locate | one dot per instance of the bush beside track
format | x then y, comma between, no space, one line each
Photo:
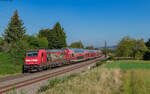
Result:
9,65
56,81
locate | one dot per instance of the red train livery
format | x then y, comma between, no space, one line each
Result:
38,60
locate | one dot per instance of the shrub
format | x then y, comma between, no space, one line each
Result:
146,55
54,82
100,63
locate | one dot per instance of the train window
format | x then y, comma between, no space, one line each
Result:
32,54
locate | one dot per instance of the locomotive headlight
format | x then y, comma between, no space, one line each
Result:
35,60
28,60
31,60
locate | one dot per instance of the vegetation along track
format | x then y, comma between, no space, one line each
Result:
20,84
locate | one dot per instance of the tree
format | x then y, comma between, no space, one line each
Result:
139,49
60,35
77,45
125,47
18,49
4,46
96,48
1,44
15,30
56,37
148,44
89,47
50,35
129,47
43,42
36,42
146,55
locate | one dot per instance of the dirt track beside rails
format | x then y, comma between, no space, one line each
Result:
33,87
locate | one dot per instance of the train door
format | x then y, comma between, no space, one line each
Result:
42,57
43,60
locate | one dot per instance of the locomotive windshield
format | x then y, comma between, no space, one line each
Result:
32,54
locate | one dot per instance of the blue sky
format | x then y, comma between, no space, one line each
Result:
91,21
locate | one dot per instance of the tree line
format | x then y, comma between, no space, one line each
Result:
15,41
131,48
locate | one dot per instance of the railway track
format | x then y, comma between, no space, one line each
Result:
2,79
33,80
17,76
14,77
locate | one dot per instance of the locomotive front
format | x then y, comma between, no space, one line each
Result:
32,61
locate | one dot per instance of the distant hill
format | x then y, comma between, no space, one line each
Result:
110,47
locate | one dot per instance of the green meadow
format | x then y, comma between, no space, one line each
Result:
135,75
127,65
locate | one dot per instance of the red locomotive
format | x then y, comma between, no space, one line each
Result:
38,60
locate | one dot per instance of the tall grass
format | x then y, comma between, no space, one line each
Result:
56,81
135,76
136,82
94,81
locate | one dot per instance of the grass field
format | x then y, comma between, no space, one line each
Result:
114,77
126,65
136,82
135,76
